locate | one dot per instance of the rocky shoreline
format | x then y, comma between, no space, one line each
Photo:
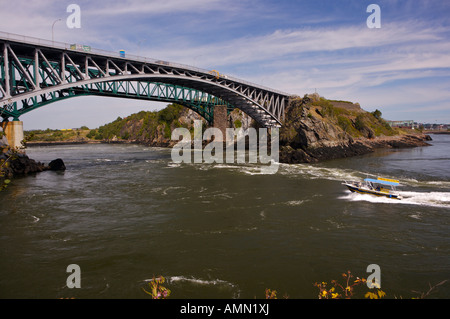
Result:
350,148
44,143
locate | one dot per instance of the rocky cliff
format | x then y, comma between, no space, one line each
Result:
314,130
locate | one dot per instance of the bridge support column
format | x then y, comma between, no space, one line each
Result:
220,120
14,132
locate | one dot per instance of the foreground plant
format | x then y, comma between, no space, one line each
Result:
423,295
157,291
271,294
346,290
11,155
4,164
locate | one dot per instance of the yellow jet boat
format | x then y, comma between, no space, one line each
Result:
376,187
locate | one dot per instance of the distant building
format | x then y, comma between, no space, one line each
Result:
436,127
403,124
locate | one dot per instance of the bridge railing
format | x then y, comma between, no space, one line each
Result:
67,46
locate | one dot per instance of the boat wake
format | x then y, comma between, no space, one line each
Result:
436,199
431,199
309,171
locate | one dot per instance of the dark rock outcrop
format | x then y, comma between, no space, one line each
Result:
57,165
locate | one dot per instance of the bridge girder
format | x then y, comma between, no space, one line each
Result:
35,74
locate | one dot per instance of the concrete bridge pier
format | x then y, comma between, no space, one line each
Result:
220,120
13,132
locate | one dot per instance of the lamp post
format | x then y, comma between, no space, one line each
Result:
53,25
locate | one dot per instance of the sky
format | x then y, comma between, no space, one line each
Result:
401,68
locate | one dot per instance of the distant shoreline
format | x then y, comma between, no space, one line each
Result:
436,132
59,143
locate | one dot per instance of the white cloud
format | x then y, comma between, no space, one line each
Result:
149,7
343,61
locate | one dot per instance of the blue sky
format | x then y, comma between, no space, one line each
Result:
402,68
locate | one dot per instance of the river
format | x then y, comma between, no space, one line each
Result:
126,213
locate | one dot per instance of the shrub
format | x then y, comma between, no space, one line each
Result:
91,134
359,123
346,289
377,113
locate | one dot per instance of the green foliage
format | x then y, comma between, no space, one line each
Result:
50,135
167,131
355,123
91,134
327,108
360,123
110,130
170,113
125,136
142,125
341,101
346,124
377,114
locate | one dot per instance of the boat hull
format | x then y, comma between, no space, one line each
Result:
355,189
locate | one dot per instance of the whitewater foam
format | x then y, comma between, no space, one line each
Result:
432,199
317,172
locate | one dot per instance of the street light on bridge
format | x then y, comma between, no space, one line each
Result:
53,25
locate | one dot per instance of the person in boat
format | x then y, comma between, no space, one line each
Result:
378,189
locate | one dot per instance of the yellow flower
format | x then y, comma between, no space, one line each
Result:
370,295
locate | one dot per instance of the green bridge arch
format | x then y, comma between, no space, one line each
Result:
35,72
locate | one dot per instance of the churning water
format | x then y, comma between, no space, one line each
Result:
126,213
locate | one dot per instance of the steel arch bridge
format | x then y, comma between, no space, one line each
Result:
36,72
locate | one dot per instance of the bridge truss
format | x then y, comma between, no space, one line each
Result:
37,72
